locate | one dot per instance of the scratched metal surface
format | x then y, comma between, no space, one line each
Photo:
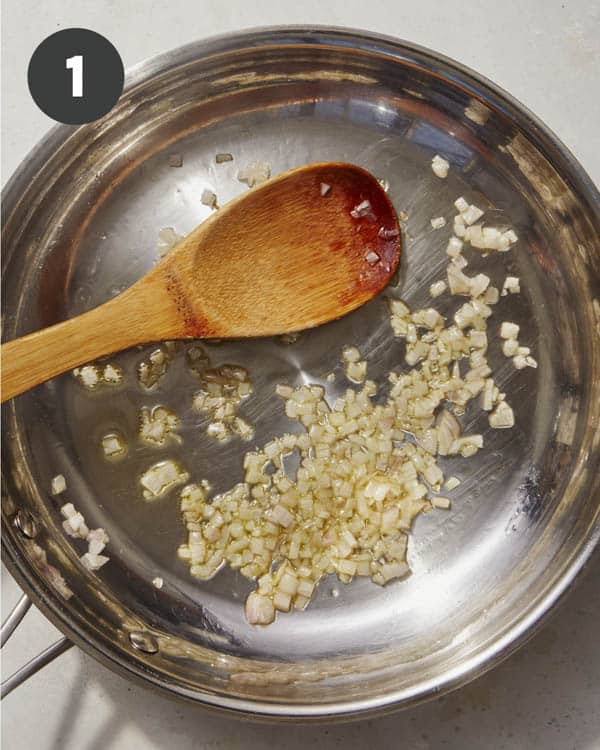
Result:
82,223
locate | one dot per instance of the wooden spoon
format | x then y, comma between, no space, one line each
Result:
303,248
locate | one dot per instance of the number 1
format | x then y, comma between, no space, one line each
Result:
76,65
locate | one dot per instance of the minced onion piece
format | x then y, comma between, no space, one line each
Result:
491,296
289,338
222,390
93,562
479,284
454,247
362,210
157,424
167,239
472,214
157,582
113,445
461,204
355,368
74,523
521,361
440,166
97,539
437,288
255,173
458,282
452,483
438,222
324,188
448,431
49,572
209,198
459,227
510,286
161,477
510,347
155,365
440,502
502,416
58,484
509,330
94,375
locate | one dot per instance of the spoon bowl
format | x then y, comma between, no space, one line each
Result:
296,251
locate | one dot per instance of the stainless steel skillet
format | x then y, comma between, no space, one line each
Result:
525,518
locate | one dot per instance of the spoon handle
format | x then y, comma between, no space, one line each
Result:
32,359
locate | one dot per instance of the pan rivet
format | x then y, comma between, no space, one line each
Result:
143,642
25,523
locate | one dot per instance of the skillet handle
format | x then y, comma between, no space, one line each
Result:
34,665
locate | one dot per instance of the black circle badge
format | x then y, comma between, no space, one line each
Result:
75,76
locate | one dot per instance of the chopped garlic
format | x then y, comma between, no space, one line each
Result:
440,166
58,484
509,330
324,188
223,157
511,286
157,582
438,222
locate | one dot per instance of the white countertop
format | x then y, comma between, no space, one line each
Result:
547,695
